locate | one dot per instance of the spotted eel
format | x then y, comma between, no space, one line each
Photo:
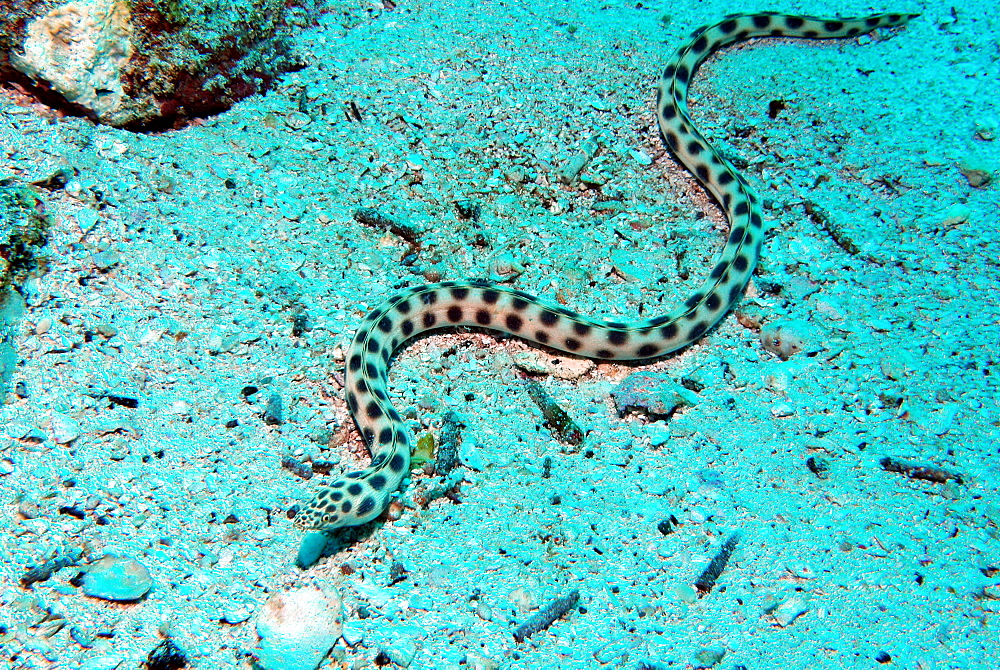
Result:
358,497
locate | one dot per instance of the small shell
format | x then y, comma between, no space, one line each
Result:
297,120
505,268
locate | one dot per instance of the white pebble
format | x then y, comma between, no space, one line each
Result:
686,593
102,663
782,409
788,610
118,578
298,628
65,429
640,157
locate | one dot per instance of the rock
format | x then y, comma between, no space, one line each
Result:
652,392
148,65
401,651
11,311
956,215
109,662
477,662
80,49
658,434
235,614
789,610
274,414
65,429
353,633
708,658
166,655
105,260
297,629
470,453
686,593
118,578
977,175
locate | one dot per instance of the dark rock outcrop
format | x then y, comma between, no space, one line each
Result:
148,64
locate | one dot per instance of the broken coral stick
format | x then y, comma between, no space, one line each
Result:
706,580
914,471
547,616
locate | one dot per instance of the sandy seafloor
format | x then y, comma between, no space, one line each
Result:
199,247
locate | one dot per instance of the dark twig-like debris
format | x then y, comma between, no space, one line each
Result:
546,616
114,398
376,219
837,233
914,471
40,573
706,580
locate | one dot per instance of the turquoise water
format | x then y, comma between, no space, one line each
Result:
812,483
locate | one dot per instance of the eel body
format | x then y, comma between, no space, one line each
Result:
358,497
